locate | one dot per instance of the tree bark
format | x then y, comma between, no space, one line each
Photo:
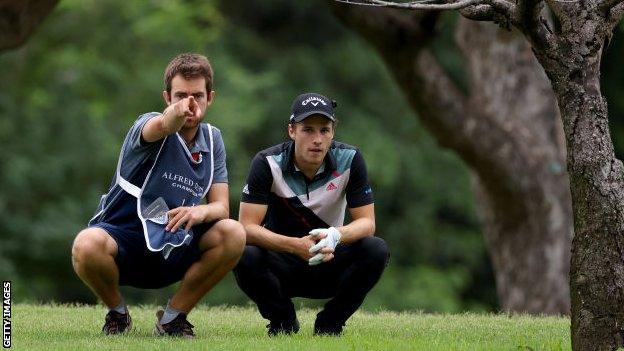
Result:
506,130
597,184
19,18
597,270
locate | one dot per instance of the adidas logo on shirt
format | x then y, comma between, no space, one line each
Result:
246,189
331,186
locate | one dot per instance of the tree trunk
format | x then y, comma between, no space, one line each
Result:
596,177
506,130
597,270
527,228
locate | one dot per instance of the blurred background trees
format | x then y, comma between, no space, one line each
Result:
71,92
502,121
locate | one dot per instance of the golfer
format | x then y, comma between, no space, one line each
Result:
152,229
293,209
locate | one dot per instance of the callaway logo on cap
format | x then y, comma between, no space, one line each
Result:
308,104
314,101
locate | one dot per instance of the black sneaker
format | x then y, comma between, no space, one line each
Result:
117,323
327,328
281,327
179,326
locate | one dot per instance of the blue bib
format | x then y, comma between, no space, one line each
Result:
174,180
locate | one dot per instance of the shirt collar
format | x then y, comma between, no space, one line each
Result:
200,141
320,170
329,163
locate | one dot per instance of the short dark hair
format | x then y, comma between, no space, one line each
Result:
293,124
189,65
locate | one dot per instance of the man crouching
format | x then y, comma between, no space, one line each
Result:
151,228
293,209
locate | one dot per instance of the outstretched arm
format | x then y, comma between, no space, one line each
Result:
171,120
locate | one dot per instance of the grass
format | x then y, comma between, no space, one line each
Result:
62,327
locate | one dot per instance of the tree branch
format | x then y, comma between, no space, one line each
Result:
499,12
478,12
502,6
415,5
18,19
440,104
402,37
530,22
619,7
505,8
617,12
607,5
388,28
614,13
526,15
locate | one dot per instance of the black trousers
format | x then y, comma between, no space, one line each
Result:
271,279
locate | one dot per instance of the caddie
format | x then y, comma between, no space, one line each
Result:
152,228
293,209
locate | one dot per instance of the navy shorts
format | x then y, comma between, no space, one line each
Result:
141,268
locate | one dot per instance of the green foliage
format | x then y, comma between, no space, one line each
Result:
71,93
78,328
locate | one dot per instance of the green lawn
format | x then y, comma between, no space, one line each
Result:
51,327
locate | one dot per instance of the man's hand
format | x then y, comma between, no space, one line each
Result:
301,246
187,107
324,248
172,119
189,215
176,114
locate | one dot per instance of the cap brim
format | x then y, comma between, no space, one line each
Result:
303,116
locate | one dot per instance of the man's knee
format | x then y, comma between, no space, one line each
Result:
374,250
231,235
90,243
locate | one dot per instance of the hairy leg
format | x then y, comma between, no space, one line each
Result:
222,246
93,257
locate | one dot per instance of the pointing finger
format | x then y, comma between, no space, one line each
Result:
186,107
